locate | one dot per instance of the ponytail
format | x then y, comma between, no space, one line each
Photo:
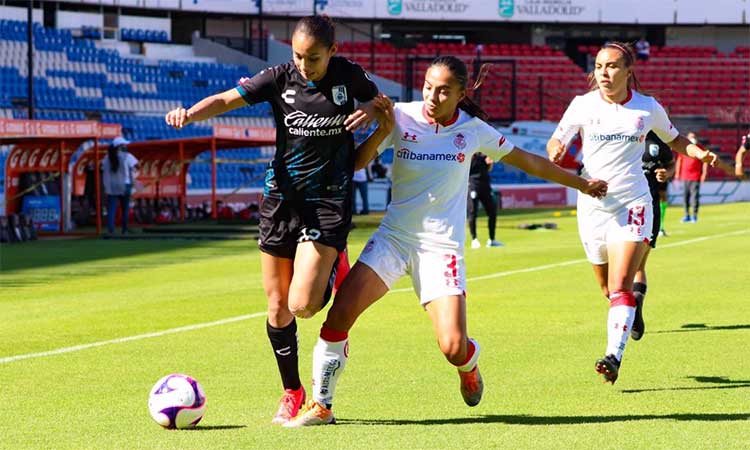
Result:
114,159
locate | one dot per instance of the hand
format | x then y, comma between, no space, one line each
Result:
595,188
661,175
361,118
709,157
177,118
488,160
555,151
384,113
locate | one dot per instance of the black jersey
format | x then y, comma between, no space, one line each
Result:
314,153
479,173
657,155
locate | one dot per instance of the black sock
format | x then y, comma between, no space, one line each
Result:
639,290
284,344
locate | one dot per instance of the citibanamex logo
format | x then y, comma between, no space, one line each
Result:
460,157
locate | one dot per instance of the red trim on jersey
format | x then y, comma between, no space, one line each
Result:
432,121
619,298
331,335
627,99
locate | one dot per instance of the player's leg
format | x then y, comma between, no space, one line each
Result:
625,258
281,329
380,264
448,315
640,286
663,203
314,265
473,205
361,288
488,202
640,282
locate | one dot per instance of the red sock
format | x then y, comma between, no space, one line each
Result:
331,335
342,270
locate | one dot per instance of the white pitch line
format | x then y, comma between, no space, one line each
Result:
198,326
75,348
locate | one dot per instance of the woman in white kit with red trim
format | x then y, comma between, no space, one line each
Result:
422,233
614,119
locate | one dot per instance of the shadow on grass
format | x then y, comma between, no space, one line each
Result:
719,383
550,420
214,427
689,327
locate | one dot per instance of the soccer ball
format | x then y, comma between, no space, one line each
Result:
177,401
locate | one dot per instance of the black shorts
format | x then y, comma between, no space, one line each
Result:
285,223
657,218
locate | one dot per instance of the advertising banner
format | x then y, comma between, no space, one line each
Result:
496,11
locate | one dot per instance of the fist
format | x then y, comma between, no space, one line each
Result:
177,118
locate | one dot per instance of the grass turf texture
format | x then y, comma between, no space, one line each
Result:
684,385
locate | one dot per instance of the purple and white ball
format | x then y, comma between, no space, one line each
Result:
177,401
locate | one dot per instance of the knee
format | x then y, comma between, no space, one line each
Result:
301,309
453,347
278,313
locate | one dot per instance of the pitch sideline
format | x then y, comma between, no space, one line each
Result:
59,351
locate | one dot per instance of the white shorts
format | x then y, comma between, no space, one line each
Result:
597,227
434,273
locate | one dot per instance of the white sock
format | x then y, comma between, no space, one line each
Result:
619,322
329,360
471,358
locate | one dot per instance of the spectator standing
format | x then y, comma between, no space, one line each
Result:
642,49
118,174
692,172
480,190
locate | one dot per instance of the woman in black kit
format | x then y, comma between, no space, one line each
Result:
307,202
480,190
658,168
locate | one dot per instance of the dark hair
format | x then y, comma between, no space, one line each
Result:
114,159
461,74
320,28
628,53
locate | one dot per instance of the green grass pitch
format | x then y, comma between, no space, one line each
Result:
533,305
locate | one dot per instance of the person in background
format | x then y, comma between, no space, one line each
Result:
739,157
642,49
614,118
480,190
118,174
692,172
360,179
658,167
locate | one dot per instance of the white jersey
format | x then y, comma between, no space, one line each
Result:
613,136
431,174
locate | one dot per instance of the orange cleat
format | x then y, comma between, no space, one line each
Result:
313,414
472,386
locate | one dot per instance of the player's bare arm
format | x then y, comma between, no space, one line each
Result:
682,145
205,109
540,167
366,151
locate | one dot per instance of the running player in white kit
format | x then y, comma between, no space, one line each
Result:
613,120
422,233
